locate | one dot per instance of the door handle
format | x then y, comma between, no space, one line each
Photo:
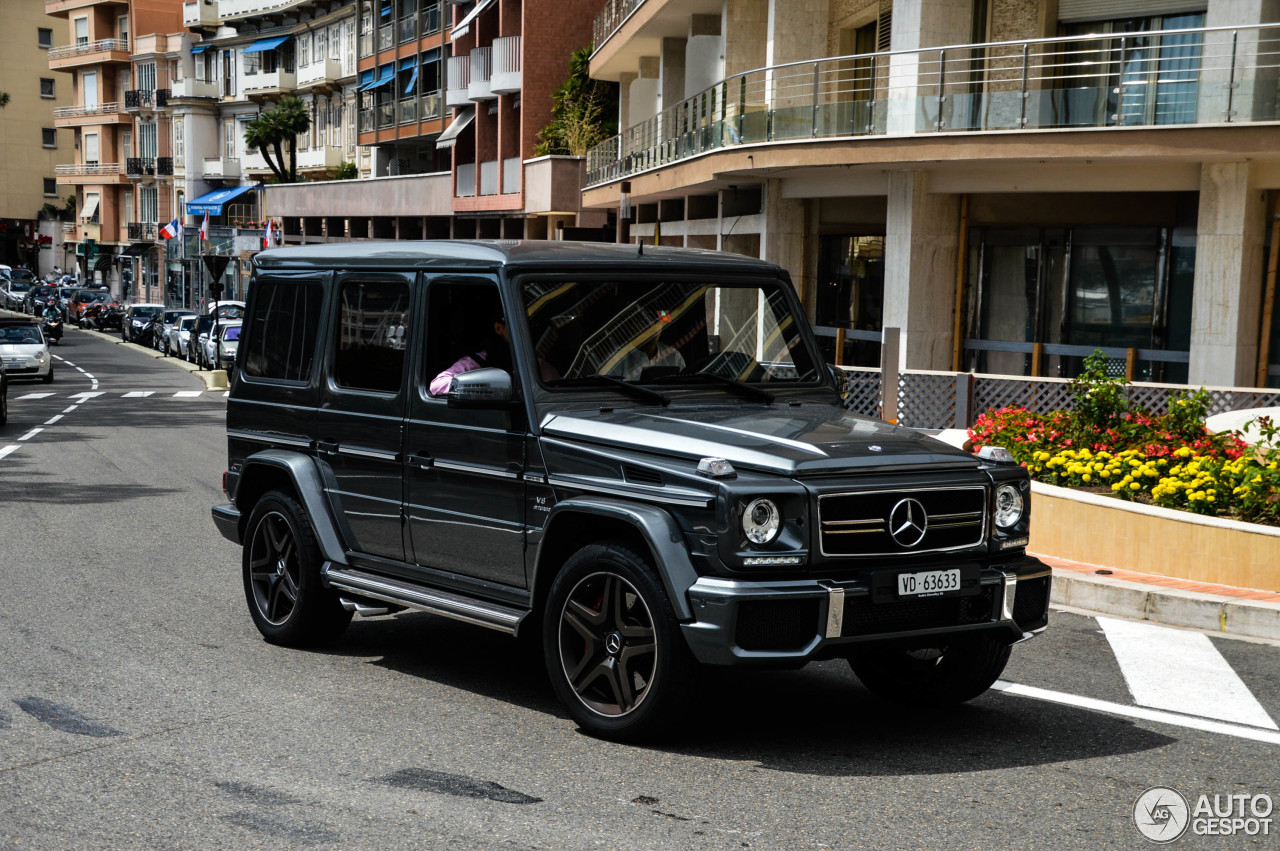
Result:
422,460
327,447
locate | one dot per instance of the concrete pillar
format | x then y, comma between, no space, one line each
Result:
643,98
921,249
1227,293
782,236
746,35
1254,95
671,85
625,80
797,32
916,24
703,55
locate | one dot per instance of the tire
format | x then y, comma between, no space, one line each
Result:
953,673
48,379
608,614
288,603
4,403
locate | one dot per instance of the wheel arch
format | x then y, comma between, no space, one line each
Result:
295,474
575,523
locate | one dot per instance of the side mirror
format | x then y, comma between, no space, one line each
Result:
481,388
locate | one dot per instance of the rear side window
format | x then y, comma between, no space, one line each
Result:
283,330
371,335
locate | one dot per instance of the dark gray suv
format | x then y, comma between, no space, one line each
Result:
637,456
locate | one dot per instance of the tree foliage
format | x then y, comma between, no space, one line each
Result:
276,131
582,113
4,99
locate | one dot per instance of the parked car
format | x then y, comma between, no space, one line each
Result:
170,319
39,297
24,350
199,334
639,457
81,298
225,309
15,293
137,319
220,348
180,335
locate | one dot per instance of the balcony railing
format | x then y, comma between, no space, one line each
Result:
142,232
189,87
1162,79
387,113
84,47
466,177
458,74
408,111
506,65
221,168
610,18
268,83
164,166
200,13
162,98
430,106
481,69
386,36
135,99
321,73
81,111
87,168
140,167
368,123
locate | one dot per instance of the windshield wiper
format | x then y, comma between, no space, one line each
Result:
611,380
739,387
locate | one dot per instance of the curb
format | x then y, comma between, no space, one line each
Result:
213,379
1230,616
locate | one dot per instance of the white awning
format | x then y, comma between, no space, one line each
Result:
464,25
450,135
90,206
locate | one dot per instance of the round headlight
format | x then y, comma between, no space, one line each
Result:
1009,506
761,520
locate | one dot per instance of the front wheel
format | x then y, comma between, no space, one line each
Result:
951,673
281,566
612,646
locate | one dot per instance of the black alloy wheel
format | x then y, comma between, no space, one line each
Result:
612,645
281,566
955,672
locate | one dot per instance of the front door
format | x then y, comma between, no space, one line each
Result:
361,418
464,466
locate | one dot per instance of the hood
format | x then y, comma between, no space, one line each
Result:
809,439
26,349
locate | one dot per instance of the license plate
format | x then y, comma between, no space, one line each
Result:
930,583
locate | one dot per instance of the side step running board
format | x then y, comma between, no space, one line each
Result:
446,603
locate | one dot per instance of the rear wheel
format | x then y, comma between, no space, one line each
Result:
612,646
281,566
960,670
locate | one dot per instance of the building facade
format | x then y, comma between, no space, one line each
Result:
1013,183
31,143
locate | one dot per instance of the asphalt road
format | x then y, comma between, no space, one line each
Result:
139,708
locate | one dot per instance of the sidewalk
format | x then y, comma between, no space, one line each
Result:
1241,612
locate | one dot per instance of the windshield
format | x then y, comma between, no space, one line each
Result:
19,287
646,331
21,335
139,312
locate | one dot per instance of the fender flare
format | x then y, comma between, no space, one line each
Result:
658,529
308,484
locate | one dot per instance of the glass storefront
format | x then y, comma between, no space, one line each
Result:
850,295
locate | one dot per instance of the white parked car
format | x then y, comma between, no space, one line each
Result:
180,335
220,350
24,350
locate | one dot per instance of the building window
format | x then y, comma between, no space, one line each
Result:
82,31
147,76
46,88
49,137
51,187
304,49
44,37
91,148
179,144
150,206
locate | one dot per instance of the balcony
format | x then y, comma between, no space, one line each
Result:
386,112
320,75
90,173
192,88
142,231
89,53
230,10
79,116
255,163
466,186
55,7
1162,79
458,74
269,84
316,159
164,166
478,87
201,13
368,123
610,18
430,107
140,167
489,177
506,65
408,111
139,100
221,168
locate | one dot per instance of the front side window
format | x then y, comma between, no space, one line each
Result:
372,319
660,331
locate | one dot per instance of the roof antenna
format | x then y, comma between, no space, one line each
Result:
640,249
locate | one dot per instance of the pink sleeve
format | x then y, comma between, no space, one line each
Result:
440,384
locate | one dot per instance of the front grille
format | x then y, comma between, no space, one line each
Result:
863,617
777,624
858,524
1031,603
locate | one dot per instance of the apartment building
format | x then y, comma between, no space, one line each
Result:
451,99
30,142
1013,183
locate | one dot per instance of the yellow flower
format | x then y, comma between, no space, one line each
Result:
1086,477
1135,486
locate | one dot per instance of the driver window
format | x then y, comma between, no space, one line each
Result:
466,330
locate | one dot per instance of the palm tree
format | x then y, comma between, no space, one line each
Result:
4,99
271,132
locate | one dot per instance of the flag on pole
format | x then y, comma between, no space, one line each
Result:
268,239
204,228
171,230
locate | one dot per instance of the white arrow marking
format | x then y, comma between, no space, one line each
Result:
33,396
1181,671
85,396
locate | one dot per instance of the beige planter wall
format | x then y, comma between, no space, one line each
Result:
1104,531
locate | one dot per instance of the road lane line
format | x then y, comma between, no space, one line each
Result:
8,450
32,396
90,377
137,394
30,434
85,395
72,408
1139,712
53,420
1181,671
188,394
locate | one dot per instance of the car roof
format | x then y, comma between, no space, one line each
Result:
146,304
489,254
7,321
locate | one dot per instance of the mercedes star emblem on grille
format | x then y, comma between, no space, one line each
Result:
907,522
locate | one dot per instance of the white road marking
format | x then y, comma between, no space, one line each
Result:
79,369
72,408
31,434
1181,671
33,396
87,375
1110,708
188,394
53,420
8,450
137,394
85,396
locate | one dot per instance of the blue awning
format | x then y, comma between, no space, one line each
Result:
413,78
266,44
200,48
386,74
211,202
366,77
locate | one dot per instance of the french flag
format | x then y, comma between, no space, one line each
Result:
171,230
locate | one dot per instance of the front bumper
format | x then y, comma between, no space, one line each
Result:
27,367
793,622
